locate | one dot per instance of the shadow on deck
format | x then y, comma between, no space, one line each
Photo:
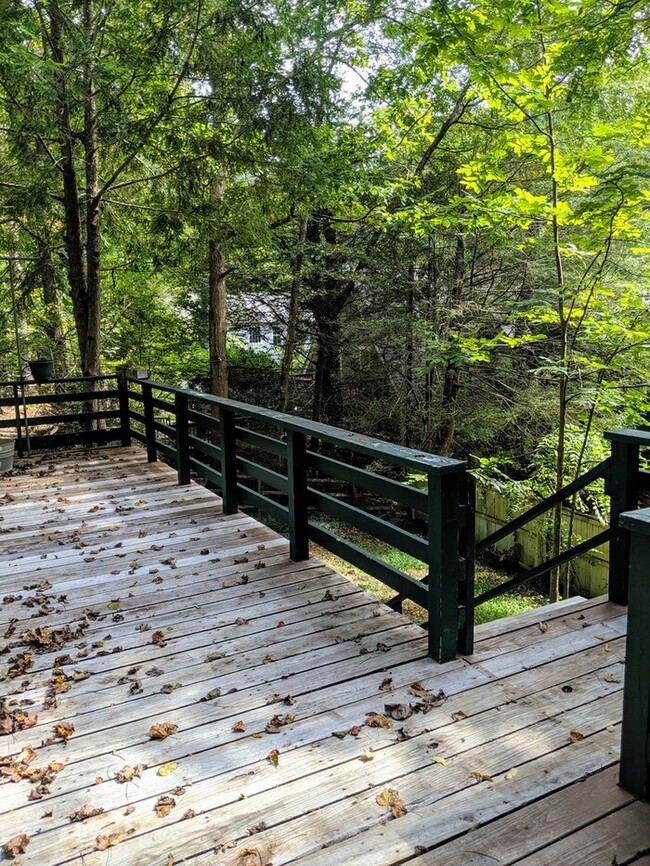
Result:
307,723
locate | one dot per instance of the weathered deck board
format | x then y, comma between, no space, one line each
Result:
107,545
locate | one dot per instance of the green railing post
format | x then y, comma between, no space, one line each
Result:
297,501
466,551
443,590
228,436
635,736
149,429
182,439
125,424
623,489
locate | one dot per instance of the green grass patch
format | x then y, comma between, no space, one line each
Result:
486,577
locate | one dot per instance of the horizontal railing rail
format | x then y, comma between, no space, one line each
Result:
277,463
85,410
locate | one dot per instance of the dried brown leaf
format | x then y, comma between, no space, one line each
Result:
377,720
238,728
162,730
164,805
576,736
274,757
16,845
102,843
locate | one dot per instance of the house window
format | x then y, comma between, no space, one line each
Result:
277,336
255,334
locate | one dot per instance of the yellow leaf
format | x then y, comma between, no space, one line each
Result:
390,798
512,774
482,777
438,759
168,768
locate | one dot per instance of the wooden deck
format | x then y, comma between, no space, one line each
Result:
130,602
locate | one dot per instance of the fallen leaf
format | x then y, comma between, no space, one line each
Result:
611,678
238,728
85,812
399,712
386,685
481,777
16,845
392,800
162,730
257,828
458,716
278,722
608,648
158,637
377,720
104,842
190,813
542,626
274,757
64,730
168,768
438,759
127,773
164,805
419,691
512,774
366,756
576,736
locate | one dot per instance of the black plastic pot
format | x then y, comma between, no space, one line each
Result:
42,369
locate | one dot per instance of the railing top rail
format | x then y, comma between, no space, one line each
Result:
58,381
638,521
629,435
335,435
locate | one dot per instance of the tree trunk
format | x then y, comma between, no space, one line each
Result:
218,326
328,399
292,318
451,381
52,303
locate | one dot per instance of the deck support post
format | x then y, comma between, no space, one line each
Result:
125,425
182,439
443,590
297,502
228,436
623,489
149,429
635,735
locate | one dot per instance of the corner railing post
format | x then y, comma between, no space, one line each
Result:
228,436
149,429
182,439
635,735
125,424
623,489
297,501
444,490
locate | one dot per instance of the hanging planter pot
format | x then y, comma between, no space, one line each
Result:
42,369
6,455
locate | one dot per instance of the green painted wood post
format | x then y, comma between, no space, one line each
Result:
182,439
297,500
443,565
466,545
635,736
19,423
149,429
125,424
228,436
623,489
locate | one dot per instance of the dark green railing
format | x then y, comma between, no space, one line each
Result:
277,464
93,411
273,461
624,480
